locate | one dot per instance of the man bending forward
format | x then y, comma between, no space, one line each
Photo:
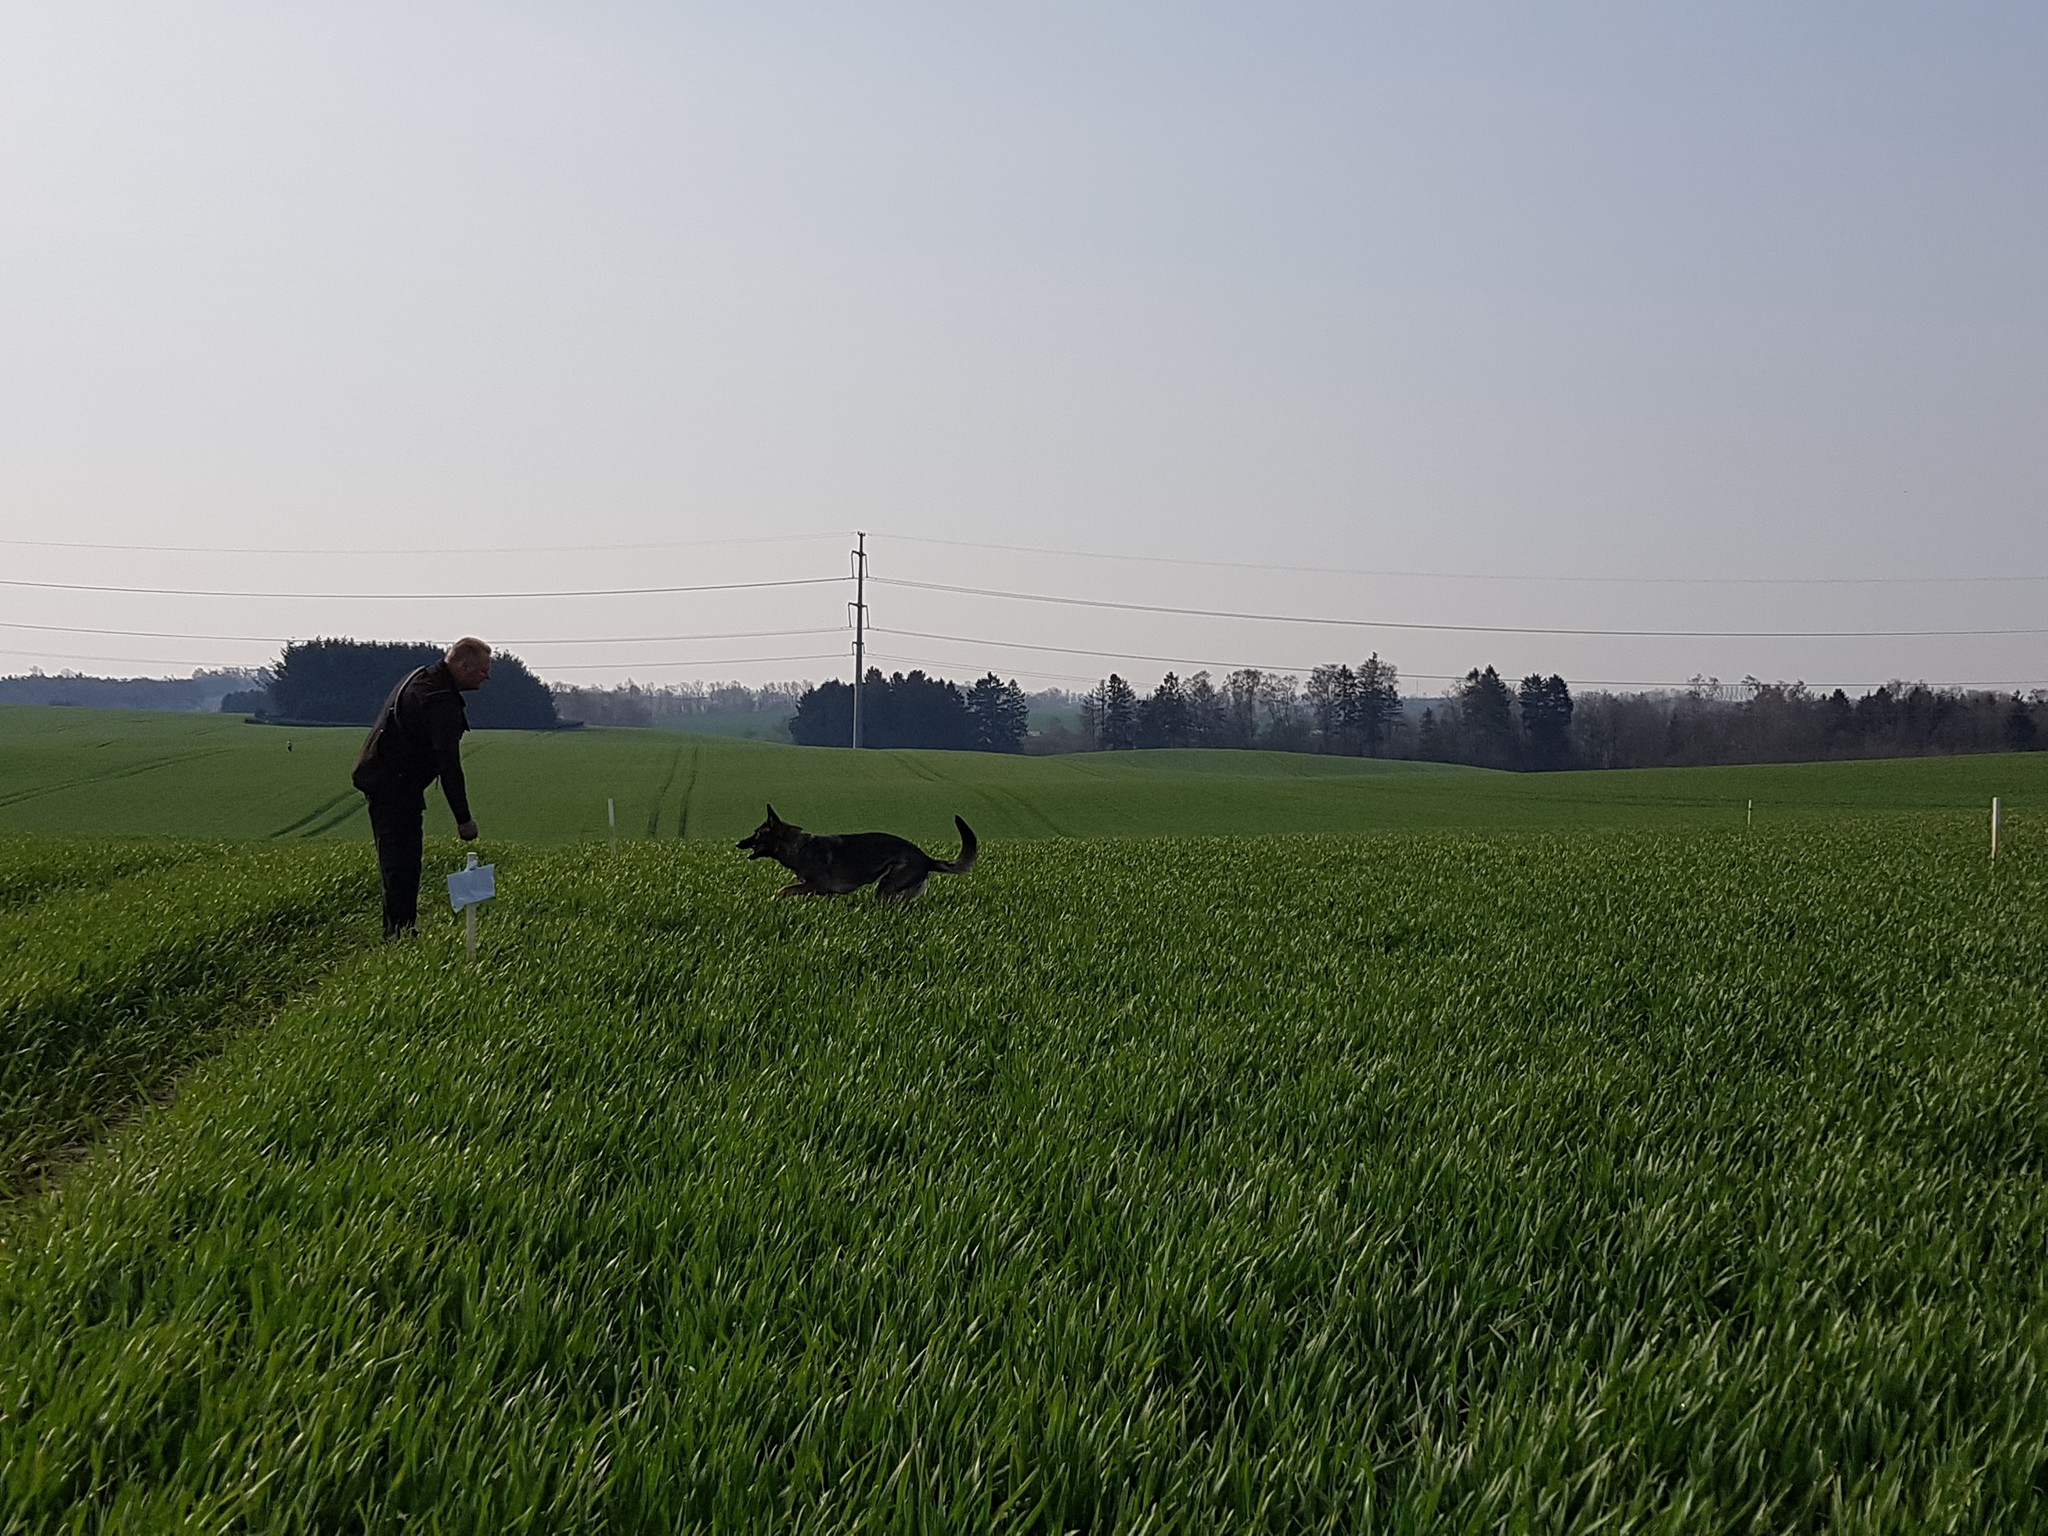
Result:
417,739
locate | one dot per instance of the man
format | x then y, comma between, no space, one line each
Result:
417,739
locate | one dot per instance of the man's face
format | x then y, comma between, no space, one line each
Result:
471,672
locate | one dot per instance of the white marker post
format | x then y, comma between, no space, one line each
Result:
611,815
1749,818
1994,826
468,888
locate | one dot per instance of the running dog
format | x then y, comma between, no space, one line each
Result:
835,863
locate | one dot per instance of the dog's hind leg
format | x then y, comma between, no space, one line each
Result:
902,882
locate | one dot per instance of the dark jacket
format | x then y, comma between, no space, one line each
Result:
417,739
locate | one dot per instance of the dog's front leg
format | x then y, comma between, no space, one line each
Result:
799,889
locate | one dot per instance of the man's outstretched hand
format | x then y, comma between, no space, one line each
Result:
466,831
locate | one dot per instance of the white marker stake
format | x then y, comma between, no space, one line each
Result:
611,814
468,887
1994,826
1749,818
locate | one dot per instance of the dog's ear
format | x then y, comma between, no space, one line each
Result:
773,819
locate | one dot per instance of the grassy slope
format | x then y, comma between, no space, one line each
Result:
118,972
746,724
1671,1181
107,772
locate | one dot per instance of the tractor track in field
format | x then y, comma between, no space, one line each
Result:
988,794
338,811
689,788
661,794
1024,808
141,1028
132,771
315,814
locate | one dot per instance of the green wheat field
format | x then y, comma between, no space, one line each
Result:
1248,1143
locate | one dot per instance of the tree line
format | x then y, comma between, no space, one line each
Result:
914,710
345,682
1539,725
646,704
1353,709
203,690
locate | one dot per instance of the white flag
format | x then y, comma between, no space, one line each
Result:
467,887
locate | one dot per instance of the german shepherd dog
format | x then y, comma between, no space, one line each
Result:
834,863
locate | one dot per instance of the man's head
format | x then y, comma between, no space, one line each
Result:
469,663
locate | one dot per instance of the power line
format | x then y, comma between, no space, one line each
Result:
139,661
165,634
723,661
1068,650
924,661
1463,629
471,550
584,666
1518,576
1035,549
425,597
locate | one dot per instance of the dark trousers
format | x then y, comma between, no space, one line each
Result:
397,823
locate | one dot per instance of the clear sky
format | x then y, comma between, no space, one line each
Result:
1557,317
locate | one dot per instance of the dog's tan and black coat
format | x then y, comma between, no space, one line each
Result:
834,863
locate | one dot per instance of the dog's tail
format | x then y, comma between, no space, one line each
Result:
969,850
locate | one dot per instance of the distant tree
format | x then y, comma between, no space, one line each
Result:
1875,717
913,710
1239,697
1163,717
1375,704
1838,722
251,701
1116,725
902,710
2020,730
1205,712
1429,742
626,705
824,716
1546,705
1486,718
997,714
1282,726
1329,699
345,682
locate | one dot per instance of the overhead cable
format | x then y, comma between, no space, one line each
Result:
470,550
429,597
1460,629
163,634
1516,576
581,666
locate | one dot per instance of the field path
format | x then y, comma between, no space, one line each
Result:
661,794
689,786
999,797
314,815
129,771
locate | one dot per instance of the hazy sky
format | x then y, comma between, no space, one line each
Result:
1448,308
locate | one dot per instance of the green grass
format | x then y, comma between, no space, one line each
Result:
746,724
101,772
111,986
1653,1180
